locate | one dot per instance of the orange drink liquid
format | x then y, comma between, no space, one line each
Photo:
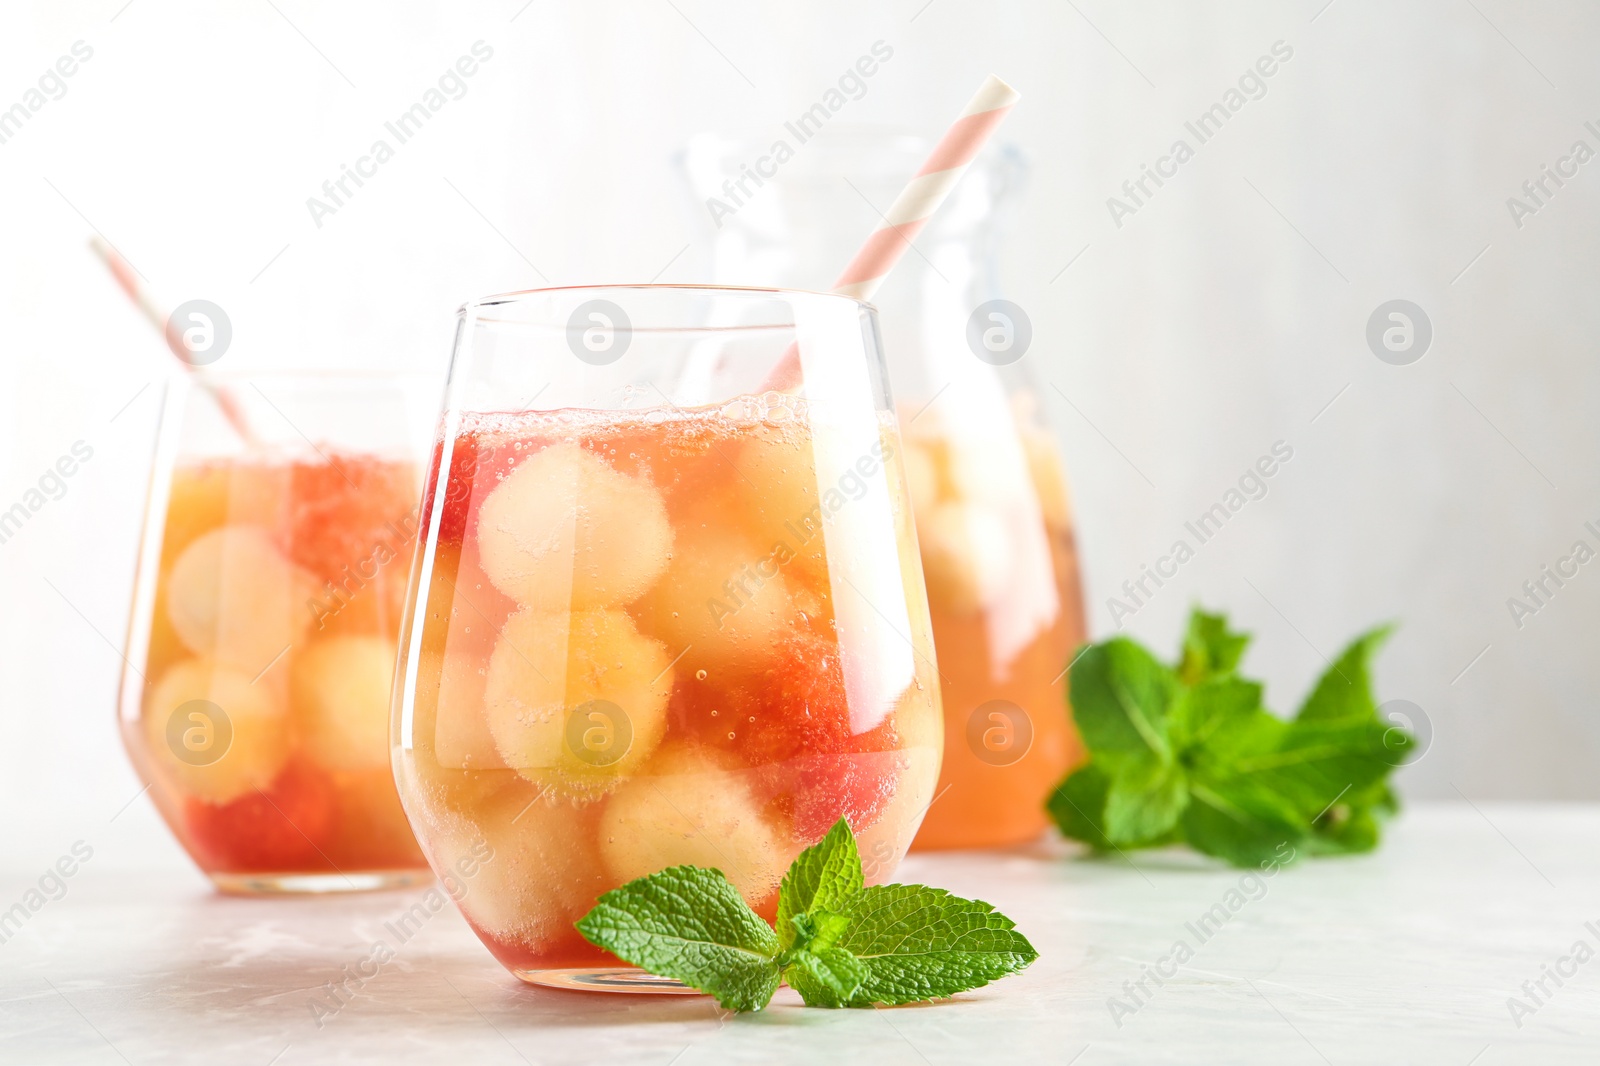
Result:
995,528
262,719
638,643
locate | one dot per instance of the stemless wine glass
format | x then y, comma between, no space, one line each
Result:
661,614
272,575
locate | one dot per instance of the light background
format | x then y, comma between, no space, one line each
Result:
1227,314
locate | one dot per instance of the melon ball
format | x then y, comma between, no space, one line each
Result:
375,607
576,700
565,528
461,736
966,556
232,743
922,477
165,647
986,466
693,808
723,599
437,795
463,612
233,596
883,843
341,701
207,495
1049,479
478,607
777,474
522,865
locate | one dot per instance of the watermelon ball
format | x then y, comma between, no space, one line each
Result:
855,787
794,717
281,829
458,487
479,460
351,512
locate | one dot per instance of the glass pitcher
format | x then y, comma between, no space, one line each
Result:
993,516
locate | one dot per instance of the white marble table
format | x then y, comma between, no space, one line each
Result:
1406,956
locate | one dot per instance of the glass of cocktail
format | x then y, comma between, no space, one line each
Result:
272,575
661,615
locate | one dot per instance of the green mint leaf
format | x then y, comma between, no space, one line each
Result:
690,924
1354,823
1222,717
1078,806
1210,648
1145,802
1347,829
822,876
1344,691
1318,763
829,977
1121,696
816,931
1227,751
919,943
1242,823
1383,801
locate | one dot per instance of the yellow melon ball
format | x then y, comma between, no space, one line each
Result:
723,599
566,529
922,477
966,557
463,612
233,596
461,736
692,808
214,734
1049,478
987,466
165,647
777,475
932,444
205,496
576,700
340,688
522,865
437,794
884,842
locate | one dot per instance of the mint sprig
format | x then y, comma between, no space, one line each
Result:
839,942
693,926
1189,753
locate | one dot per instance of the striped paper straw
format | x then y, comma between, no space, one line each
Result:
913,207
140,294
921,198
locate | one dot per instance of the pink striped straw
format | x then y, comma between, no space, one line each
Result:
921,198
140,294
916,203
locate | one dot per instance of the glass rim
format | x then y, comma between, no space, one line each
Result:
523,296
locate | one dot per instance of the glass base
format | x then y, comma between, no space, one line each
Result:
607,979
288,884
